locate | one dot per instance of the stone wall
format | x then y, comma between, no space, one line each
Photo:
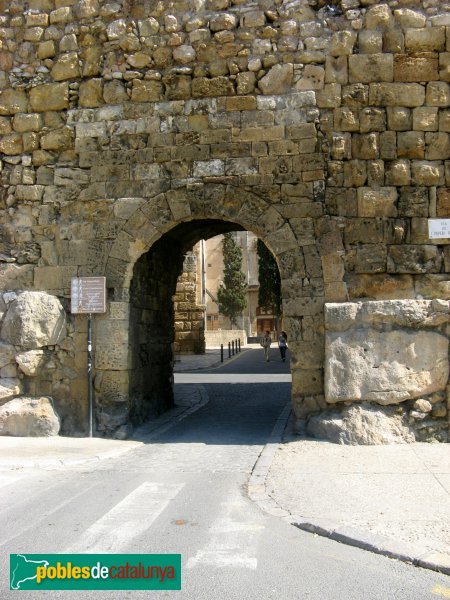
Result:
397,352
323,127
225,336
189,315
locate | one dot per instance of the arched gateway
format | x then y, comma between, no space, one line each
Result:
130,130
142,269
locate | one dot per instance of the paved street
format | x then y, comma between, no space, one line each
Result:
184,491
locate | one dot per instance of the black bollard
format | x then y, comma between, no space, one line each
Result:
229,350
221,352
239,344
232,347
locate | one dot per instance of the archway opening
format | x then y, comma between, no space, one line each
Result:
152,315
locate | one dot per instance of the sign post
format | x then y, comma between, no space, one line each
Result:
88,296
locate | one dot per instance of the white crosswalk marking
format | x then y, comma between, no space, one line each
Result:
233,538
127,519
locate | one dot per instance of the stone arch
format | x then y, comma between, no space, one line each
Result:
183,216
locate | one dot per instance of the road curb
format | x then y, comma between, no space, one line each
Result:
415,554
215,365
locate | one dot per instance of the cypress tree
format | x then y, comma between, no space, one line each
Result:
232,293
269,293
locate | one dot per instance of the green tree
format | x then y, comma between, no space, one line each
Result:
269,294
232,293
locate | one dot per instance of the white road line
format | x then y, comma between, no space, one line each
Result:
127,519
233,538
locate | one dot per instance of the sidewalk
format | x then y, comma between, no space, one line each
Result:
392,500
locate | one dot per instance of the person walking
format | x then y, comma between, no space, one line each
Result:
282,345
266,340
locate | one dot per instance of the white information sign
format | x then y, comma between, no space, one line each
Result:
438,228
88,295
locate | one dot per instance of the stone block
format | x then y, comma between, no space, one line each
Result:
379,17
329,96
443,202
416,67
389,356
30,193
59,139
342,43
336,69
388,145
372,119
444,66
366,146
398,172
413,202
371,258
91,93
346,119
341,146
411,144
341,202
202,87
46,49
29,417
355,173
23,122
380,286
427,173
425,118
370,41
33,320
370,68
438,94
49,97
437,146
13,101
399,118
146,91
377,203
407,17
414,259
11,144
306,381
66,67
408,95
53,278
278,80
30,362
394,41
425,39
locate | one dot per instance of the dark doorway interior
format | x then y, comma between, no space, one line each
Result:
152,316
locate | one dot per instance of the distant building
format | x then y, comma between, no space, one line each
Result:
254,320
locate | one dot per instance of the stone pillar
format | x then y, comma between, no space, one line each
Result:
189,316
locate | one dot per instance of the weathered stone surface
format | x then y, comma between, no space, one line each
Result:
29,417
50,96
361,425
66,67
34,320
388,366
13,101
7,353
9,388
278,80
30,362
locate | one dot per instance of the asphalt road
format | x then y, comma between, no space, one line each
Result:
185,492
